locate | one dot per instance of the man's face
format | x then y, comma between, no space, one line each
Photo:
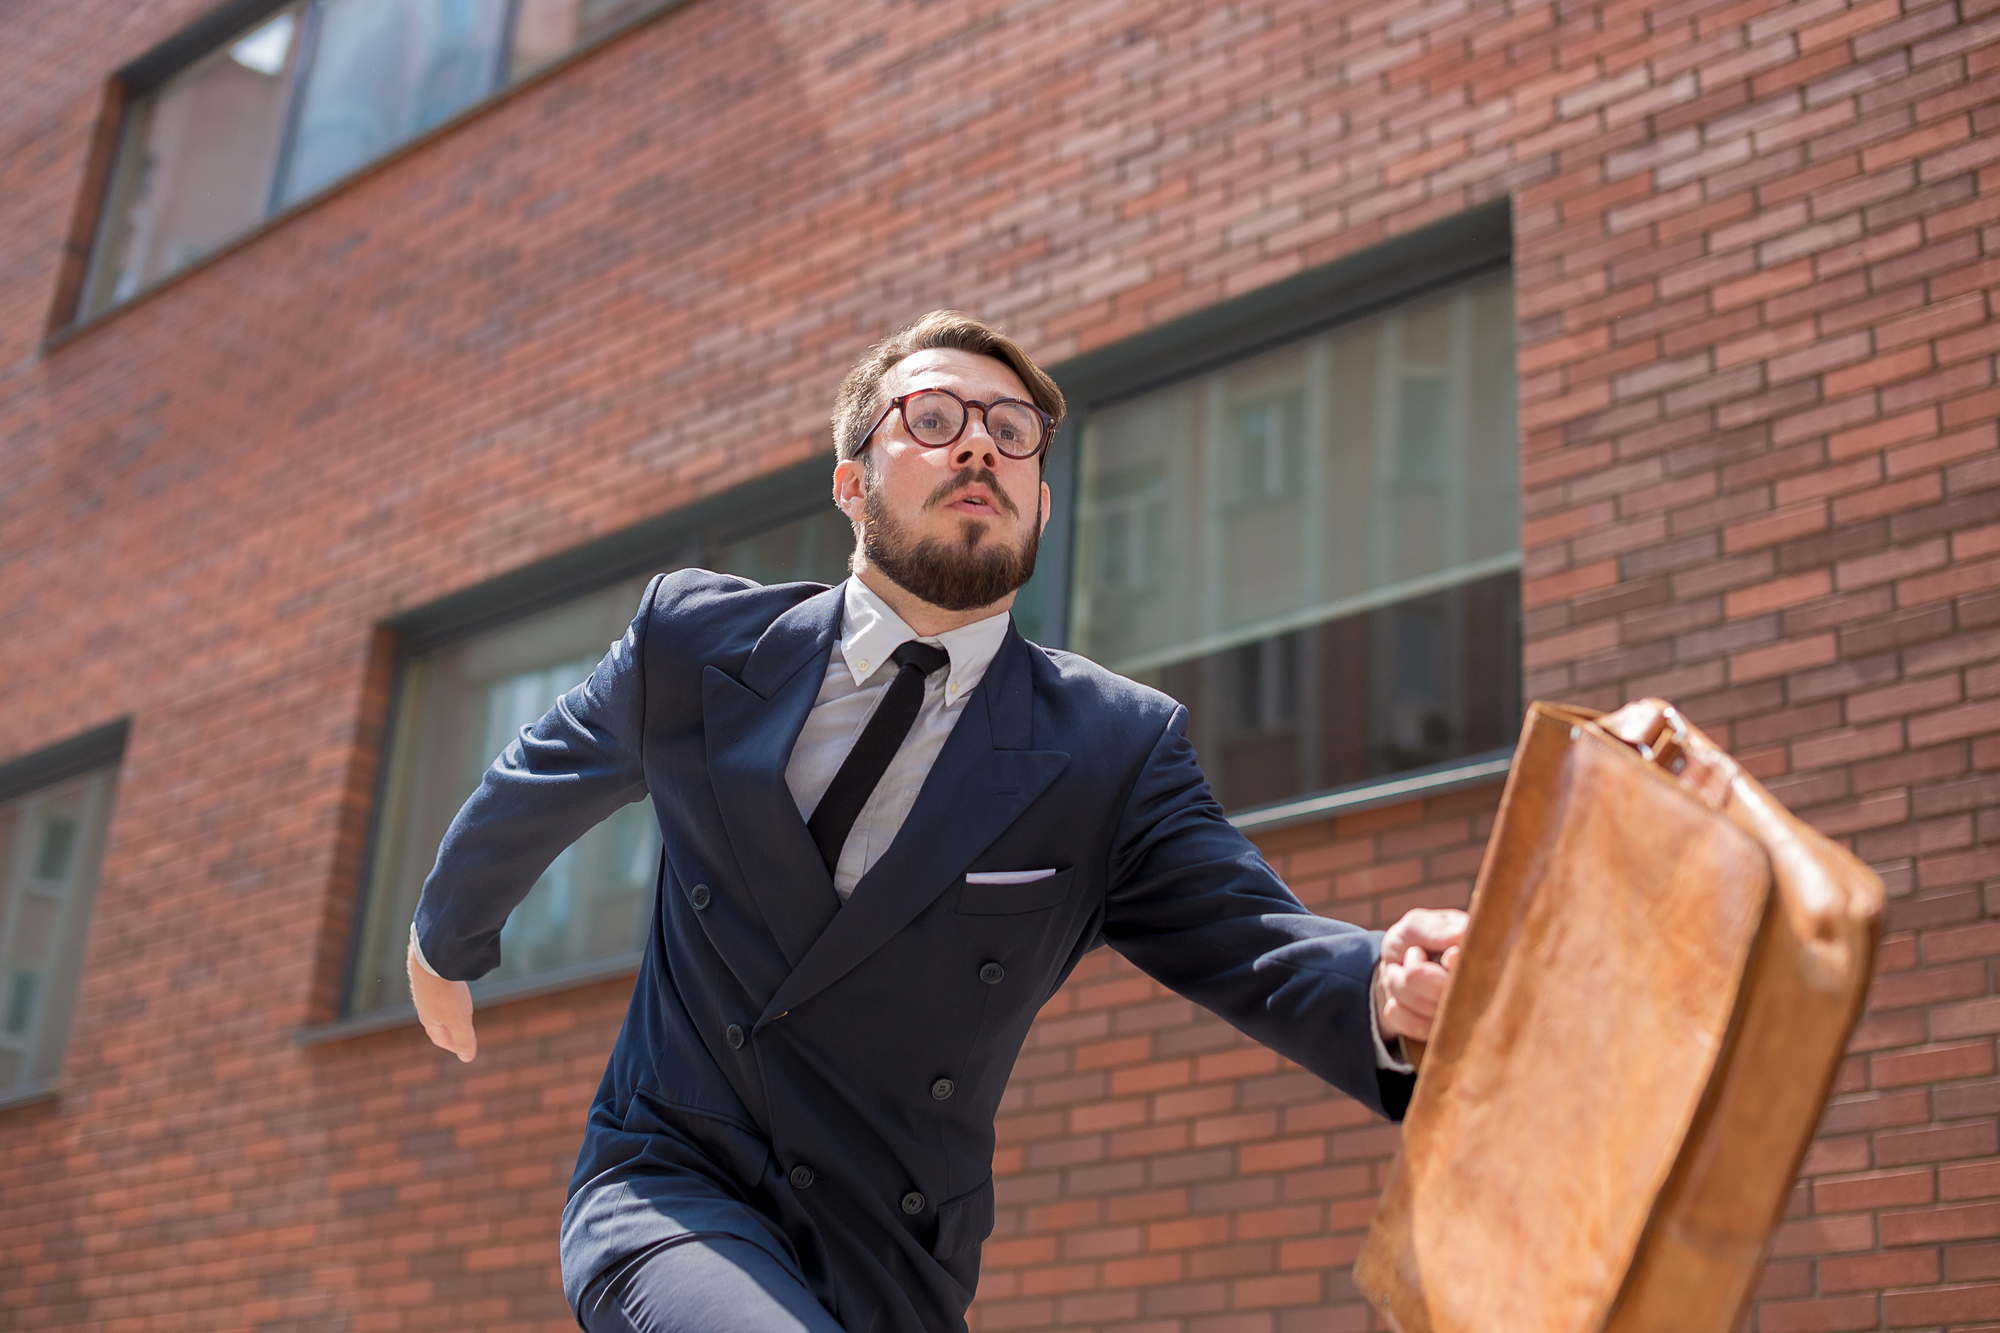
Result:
958,525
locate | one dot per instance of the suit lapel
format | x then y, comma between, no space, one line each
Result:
750,728
983,779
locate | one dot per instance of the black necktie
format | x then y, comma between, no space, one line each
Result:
869,759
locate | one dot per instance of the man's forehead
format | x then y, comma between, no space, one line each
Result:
953,369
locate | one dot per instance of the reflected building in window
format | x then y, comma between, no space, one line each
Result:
300,98
196,160
383,72
1317,549
460,704
459,707
51,841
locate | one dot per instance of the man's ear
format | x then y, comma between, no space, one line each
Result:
1045,508
850,487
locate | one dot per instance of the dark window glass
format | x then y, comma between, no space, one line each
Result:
1425,681
1317,550
814,548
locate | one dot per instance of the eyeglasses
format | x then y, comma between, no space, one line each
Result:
937,417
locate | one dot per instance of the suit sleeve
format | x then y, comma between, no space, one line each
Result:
552,783
1193,904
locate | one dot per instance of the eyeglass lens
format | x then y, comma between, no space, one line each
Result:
935,418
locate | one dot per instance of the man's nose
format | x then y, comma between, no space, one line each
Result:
975,449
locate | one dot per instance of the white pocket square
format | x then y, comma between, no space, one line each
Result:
1007,876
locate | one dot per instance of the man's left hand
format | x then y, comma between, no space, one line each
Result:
1410,982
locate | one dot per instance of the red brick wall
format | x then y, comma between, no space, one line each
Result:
1755,253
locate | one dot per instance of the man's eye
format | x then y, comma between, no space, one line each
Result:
929,421
1011,434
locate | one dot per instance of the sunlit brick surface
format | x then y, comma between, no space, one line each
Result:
1756,247
1155,1166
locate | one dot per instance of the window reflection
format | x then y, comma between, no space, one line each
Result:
461,705
1316,549
546,29
197,159
814,548
383,72
206,155
459,709
1424,681
50,844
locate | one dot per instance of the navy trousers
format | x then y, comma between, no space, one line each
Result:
702,1283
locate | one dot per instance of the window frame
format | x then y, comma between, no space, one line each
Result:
96,751
128,87
1469,245
677,538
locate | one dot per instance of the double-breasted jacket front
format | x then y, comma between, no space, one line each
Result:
821,1078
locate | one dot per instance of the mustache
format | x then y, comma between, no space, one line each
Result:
964,477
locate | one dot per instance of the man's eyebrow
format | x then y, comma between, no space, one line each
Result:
1008,394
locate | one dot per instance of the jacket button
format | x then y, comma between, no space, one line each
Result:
943,1088
913,1203
802,1177
992,974
734,1036
699,897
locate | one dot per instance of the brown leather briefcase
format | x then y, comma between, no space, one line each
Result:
1661,973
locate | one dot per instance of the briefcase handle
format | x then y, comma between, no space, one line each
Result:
1665,739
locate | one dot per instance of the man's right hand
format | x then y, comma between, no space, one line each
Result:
445,1008
1418,953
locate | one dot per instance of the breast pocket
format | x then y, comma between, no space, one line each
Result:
1014,899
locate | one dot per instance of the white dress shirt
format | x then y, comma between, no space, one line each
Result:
857,676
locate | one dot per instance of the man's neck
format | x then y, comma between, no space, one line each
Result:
926,618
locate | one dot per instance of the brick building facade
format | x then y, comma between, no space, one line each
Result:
1753,252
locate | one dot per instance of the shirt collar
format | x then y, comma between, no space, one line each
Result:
870,632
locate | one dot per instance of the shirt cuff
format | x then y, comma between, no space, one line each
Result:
1383,1060
425,963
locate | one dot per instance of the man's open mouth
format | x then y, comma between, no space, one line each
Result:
973,502
972,491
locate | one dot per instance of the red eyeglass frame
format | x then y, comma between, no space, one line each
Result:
896,405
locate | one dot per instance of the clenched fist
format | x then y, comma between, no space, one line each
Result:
1417,957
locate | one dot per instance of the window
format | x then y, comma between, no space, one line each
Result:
51,838
299,97
1316,548
462,701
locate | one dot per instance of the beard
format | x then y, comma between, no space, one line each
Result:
958,575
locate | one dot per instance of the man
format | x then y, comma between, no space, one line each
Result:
892,827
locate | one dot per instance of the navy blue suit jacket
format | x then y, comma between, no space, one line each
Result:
777,1075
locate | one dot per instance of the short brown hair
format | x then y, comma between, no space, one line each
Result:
860,400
